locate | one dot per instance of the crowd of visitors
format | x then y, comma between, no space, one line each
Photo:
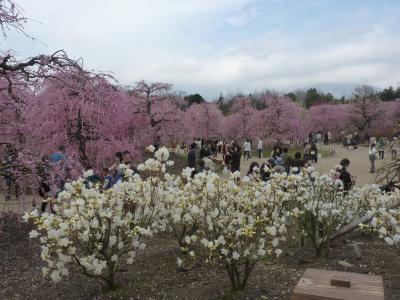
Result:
53,171
280,160
231,152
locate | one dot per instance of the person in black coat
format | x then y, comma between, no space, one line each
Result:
345,176
326,138
314,153
236,154
192,156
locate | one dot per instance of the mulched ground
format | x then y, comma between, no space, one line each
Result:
154,275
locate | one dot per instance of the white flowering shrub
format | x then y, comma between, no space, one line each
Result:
386,225
368,199
322,207
182,203
96,230
237,223
319,205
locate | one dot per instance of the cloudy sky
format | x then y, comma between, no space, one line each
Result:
212,46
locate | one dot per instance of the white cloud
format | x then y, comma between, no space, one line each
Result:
184,42
286,65
242,17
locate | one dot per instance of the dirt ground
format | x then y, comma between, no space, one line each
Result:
154,275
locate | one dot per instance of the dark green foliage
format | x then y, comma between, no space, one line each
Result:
195,98
389,94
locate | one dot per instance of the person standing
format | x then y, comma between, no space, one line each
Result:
314,153
260,147
61,170
348,141
307,151
326,138
227,158
318,137
43,174
345,176
286,159
251,147
366,137
198,147
236,154
394,146
214,148
372,157
247,149
224,149
192,156
381,148
219,148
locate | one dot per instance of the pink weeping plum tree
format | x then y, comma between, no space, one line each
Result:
204,120
329,117
280,119
241,123
84,112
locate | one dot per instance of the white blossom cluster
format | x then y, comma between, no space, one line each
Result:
386,224
321,207
368,199
183,203
159,163
96,229
236,222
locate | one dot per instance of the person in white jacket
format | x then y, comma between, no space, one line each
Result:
260,147
246,149
372,157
